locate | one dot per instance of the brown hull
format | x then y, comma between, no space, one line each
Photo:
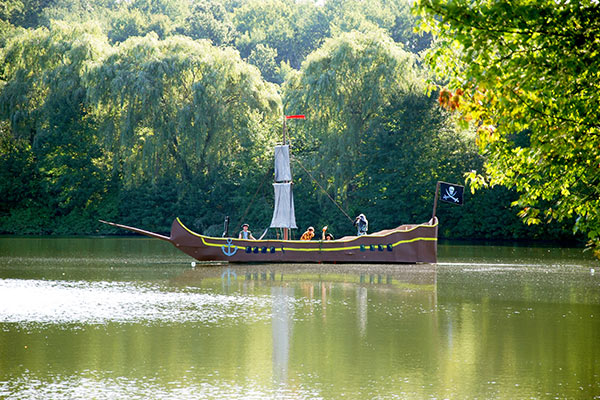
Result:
405,244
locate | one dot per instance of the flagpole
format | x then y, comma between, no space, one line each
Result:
435,200
286,231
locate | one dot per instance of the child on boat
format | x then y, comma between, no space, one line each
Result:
309,234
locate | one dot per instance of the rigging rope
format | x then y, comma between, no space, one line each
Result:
311,176
321,187
254,197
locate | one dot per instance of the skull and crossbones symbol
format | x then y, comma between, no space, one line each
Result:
451,193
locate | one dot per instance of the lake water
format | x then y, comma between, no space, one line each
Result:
108,318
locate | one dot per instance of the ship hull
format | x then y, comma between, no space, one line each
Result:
405,244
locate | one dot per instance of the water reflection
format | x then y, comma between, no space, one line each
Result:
361,310
316,283
281,321
227,276
141,325
276,274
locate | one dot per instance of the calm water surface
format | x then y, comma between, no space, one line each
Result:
107,318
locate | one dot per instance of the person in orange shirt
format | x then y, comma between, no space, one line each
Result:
309,234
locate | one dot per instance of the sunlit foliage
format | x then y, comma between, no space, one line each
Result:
179,107
526,75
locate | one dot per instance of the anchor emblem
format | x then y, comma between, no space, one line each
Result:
227,249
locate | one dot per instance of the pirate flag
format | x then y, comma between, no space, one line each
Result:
451,193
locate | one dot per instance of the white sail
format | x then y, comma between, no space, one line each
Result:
282,163
283,214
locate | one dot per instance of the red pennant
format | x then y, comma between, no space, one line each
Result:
295,116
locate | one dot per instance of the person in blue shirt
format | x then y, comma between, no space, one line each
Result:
245,233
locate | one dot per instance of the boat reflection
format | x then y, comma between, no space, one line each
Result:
311,297
282,324
413,276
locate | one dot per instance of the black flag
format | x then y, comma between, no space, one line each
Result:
451,193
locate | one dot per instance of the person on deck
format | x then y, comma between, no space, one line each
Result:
245,233
309,234
361,224
326,236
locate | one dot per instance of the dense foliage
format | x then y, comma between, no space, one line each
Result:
145,110
526,75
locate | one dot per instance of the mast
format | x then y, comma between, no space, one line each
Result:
286,231
283,212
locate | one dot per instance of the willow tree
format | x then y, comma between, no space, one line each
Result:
342,88
43,101
526,73
181,108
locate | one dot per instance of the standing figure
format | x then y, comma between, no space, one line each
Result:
245,233
361,224
326,235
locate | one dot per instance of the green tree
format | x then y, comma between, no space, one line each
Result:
210,20
19,180
132,22
403,31
526,74
293,29
355,15
264,22
24,13
77,11
412,145
395,17
343,87
7,8
176,10
181,108
50,124
263,57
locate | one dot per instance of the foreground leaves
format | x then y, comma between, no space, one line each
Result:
527,74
